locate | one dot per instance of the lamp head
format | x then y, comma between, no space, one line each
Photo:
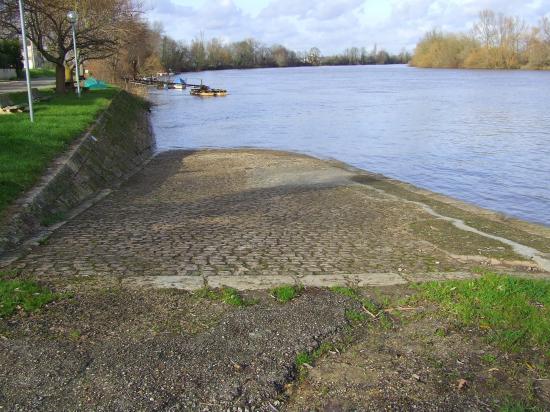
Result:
72,16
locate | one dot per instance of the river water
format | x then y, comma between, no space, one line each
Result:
479,136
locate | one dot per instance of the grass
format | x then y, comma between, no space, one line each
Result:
26,149
226,295
349,292
355,316
306,358
513,312
42,72
286,293
22,294
518,406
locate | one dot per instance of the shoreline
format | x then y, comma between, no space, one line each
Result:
441,220
464,204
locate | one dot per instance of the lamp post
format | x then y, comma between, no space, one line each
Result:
72,16
26,55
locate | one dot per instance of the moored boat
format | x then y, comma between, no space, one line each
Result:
205,91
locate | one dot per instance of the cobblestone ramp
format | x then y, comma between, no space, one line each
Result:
239,212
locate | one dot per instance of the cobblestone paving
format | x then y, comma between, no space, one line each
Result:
233,212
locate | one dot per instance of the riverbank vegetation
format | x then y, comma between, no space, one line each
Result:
26,149
150,51
495,42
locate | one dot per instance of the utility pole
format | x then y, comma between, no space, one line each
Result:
26,56
73,18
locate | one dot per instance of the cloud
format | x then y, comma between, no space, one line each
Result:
332,25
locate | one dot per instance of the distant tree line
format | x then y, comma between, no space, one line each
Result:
495,42
115,41
163,53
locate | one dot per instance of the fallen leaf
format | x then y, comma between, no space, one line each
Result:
461,383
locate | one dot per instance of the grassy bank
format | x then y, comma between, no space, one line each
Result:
514,313
26,149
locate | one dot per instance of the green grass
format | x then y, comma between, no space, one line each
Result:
518,406
303,358
355,316
514,312
306,358
42,72
226,295
26,149
349,292
21,294
286,293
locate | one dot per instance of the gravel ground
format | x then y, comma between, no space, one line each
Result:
121,349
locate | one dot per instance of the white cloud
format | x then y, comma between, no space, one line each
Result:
332,25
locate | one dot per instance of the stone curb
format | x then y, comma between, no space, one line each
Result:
250,282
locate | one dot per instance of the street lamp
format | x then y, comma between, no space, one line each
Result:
25,52
72,16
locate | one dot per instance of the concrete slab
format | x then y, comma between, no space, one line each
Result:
250,282
189,283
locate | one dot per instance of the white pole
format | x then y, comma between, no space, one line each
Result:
26,55
76,61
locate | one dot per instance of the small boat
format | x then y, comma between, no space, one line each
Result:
205,91
180,86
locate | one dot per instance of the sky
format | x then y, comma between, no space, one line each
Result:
330,25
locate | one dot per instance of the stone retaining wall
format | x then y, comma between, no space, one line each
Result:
115,146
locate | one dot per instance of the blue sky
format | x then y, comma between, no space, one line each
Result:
331,25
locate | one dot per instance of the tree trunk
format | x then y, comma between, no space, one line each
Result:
60,78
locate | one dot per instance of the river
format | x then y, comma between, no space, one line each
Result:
481,136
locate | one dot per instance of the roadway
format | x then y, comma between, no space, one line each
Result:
21,85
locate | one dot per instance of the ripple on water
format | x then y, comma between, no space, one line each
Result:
479,136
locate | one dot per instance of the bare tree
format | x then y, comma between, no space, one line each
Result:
100,27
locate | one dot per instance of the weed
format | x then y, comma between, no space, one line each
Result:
440,332
22,294
206,293
355,316
349,292
488,358
303,358
286,293
517,406
74,334
226,295
232,297
370,306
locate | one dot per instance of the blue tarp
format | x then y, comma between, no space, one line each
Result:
92,83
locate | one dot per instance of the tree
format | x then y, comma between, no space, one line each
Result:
100,27
314,56
10,56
